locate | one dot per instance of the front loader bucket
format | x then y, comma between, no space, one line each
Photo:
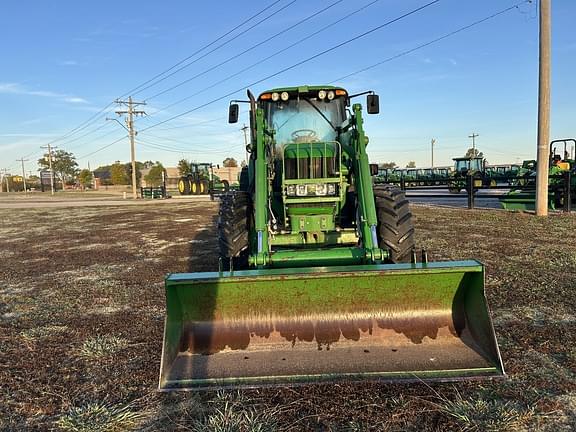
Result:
285,326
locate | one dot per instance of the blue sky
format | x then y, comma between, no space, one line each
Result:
63,62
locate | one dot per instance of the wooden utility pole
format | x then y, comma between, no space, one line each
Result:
131,133
473,136
543,111
5,176
47,146
432,143
23,173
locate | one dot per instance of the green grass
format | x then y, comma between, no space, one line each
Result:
100,417
101,346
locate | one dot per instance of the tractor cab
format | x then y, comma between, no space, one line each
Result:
463,165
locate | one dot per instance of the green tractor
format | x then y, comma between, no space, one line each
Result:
201,180
318,279
465,166
523,196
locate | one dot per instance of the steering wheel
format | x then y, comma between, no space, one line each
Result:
304,135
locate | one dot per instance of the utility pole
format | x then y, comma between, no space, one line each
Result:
432,143
131,133
245,130
543,111
473,136
23,173
47,146
5,176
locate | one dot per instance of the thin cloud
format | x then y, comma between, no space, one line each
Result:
69,63
18,89
76,100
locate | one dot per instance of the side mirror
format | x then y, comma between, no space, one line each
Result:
373,169
373,104
233,113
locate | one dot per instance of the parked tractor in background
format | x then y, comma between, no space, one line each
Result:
201,180
318,279
468,166
561,180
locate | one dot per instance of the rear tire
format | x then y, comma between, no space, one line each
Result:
395,228
184,186
204,187
233,227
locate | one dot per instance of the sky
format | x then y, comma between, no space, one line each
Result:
65,63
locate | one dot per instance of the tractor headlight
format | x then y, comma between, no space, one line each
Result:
330,95
322,94
284,96
301,190
321,189
291,190
275,97
331,189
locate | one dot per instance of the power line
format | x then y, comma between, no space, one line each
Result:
218,47
102,148
447,35
309,17
276,53
138,89
341,44
101,113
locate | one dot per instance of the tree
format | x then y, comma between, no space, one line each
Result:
388,165
118,174
139,167
184,167
411,164
155,175
63,163
230,162
472,153
104,174
85,178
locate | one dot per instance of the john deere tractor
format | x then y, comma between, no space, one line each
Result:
201,180
560,164
318,278
465,166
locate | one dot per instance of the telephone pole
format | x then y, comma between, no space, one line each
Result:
5,176
543,111
473,136
432,143
130,104
47,146
23,173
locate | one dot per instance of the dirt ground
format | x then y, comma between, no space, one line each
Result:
81,321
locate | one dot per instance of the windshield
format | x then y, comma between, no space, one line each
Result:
297,121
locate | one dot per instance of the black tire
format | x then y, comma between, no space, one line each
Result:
395,228
233,227
225,185
183,186
194,187
204,187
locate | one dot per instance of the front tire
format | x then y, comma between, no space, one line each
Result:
395,228
234,226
